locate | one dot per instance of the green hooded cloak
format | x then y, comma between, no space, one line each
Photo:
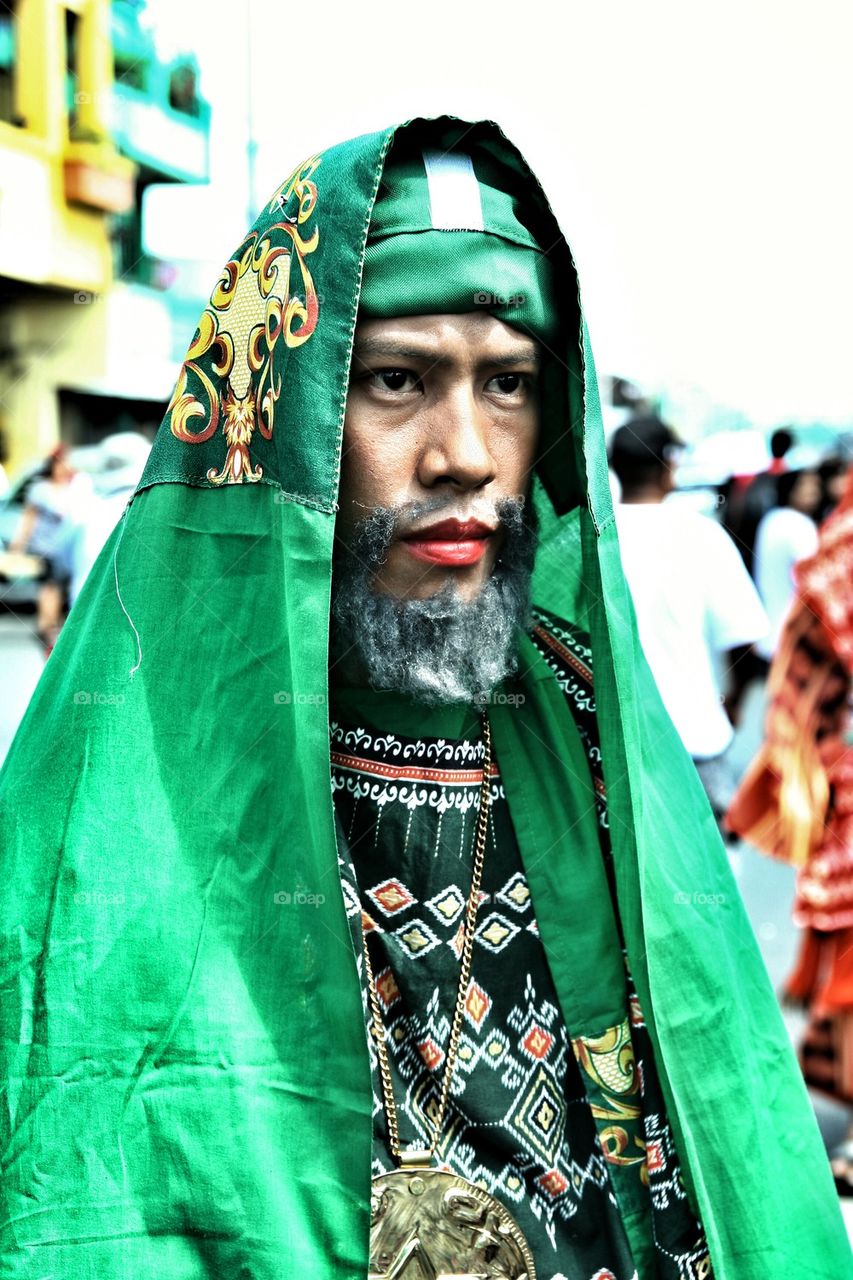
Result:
184,1070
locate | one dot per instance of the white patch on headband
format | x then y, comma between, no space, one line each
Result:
454,192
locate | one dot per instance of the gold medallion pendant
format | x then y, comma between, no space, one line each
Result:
430,1225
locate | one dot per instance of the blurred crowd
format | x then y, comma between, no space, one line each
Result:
55,519
762,593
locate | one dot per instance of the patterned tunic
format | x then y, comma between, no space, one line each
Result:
570,1135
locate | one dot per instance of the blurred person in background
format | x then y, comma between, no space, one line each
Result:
749,500
796,804
780,445
4,458
56,503
694,599
832,474
786,535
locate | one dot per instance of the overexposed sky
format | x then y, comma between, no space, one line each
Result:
698,158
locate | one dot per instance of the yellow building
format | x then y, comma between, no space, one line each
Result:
89,117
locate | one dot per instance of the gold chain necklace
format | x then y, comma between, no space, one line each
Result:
425,1221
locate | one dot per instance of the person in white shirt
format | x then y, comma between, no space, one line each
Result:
694,599
786,535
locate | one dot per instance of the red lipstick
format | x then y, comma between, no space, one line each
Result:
450,542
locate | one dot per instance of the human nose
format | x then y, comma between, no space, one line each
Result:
457,447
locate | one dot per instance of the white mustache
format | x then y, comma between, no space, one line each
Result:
408,514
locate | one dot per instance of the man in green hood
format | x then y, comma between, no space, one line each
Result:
488,1004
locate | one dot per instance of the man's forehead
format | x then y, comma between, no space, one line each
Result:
445,340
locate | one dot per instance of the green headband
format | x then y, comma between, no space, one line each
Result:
445,238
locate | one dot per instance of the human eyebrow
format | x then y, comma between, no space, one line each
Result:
400,350
531,356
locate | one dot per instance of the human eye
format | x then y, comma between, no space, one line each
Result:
393,380
514,386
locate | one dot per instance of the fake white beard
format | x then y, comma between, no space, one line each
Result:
441,649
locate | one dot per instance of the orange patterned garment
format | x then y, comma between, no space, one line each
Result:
796,800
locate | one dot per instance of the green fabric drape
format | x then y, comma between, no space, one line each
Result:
184,1075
